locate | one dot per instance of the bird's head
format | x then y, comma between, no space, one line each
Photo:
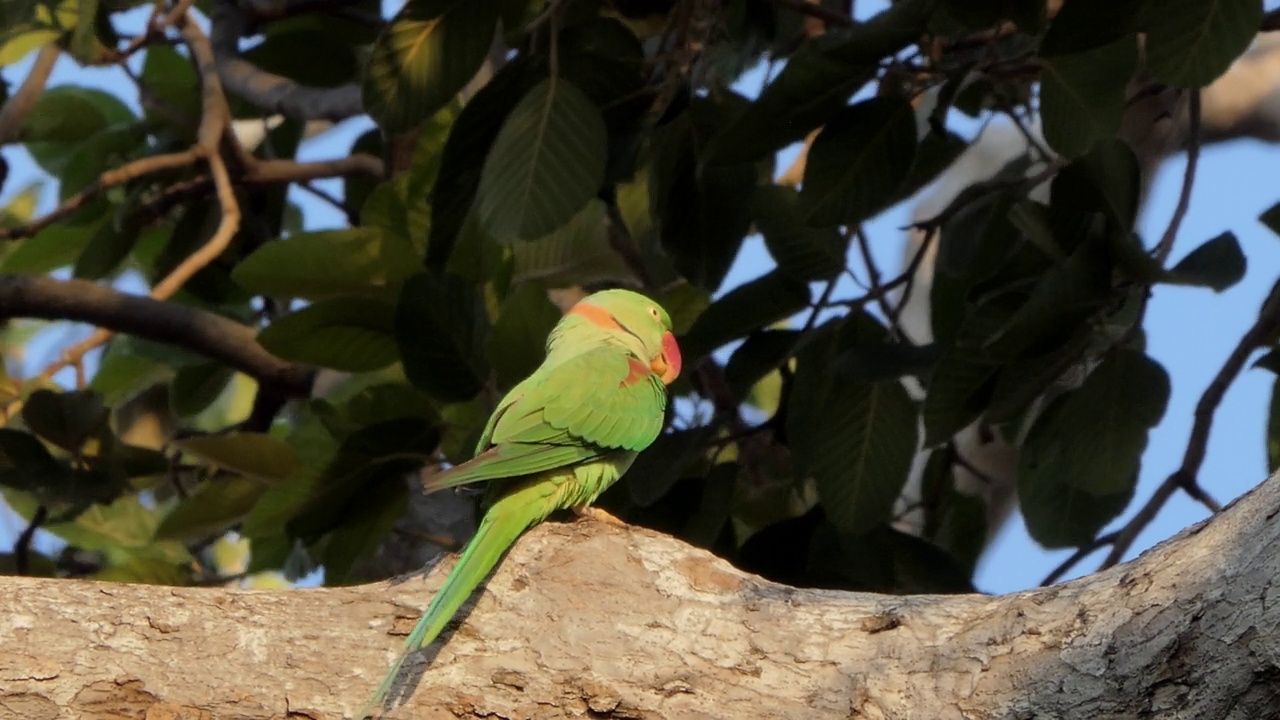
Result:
641,322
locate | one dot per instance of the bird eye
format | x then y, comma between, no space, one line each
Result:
653,312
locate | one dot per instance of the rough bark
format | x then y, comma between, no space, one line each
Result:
590,620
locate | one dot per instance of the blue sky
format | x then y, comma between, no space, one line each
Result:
1190,331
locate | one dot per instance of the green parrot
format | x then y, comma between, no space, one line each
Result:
560,437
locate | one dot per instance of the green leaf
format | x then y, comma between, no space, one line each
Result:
170,79
465,152
196,387
1191,42
437,324
66,419
958,391
352,334
1060,515
761,353
703,214
1082,95
1098,432
1218,264
211,509
122,373
577,254
862,455
256,455
316,265
146,571
545,164
659,466
1083,25
817,82
803,252
372,457
108,247
855,439
424,57
748,307
369,517
858,161
55,246
516,344
314,447
68,114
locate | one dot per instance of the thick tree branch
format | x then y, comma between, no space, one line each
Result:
587,620
214,336
269,91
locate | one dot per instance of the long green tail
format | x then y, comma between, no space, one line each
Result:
505,521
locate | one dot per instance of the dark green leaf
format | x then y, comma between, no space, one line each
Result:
577,254
370,515
858,161
958,391
1083,25
213,507
1107,180
802,251
66,419
659,466
108,247
1092,438
316,265
748,307
66,115
817,82
352,334
173,89
254,454
195,387
762,352
517,343
1191,42
1060,515
1082,95
438,320
545,164
424,57
465,153
862,455
1219,263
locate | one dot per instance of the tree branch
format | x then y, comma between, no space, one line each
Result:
1262,333
586,619
271,92
1165,245
19,105
211,335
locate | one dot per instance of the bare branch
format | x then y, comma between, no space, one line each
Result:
274,171
211,335
272,92
1165,245
1261,334
18,105
22,545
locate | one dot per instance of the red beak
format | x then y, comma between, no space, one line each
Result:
667,364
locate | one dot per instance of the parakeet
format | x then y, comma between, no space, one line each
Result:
560,437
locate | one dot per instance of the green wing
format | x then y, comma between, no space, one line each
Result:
577,411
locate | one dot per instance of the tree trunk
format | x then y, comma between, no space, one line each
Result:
585,619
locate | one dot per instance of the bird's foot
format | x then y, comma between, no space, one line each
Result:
585,512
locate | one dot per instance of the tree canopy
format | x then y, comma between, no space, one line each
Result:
280,389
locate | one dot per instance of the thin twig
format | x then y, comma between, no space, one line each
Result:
107,180
1184,478
1081,553
1165,246
22,545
